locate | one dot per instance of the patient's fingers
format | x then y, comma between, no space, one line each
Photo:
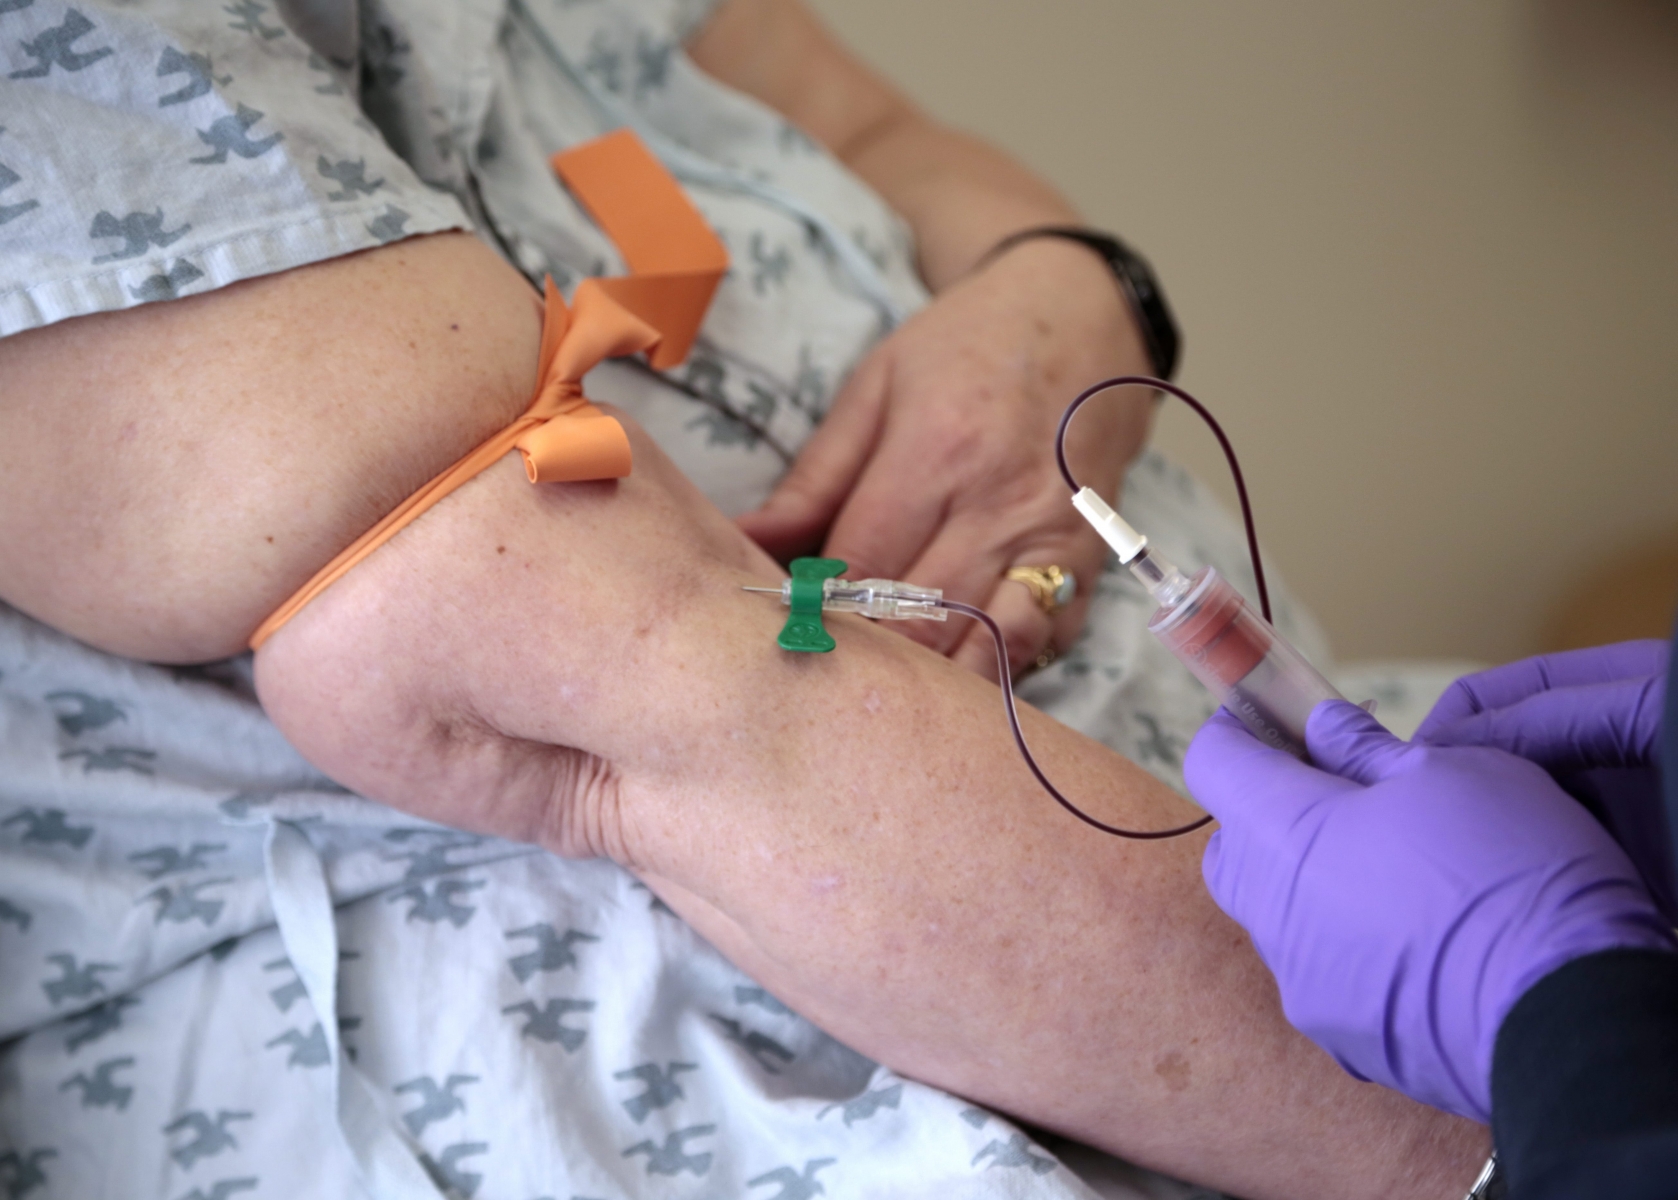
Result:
899,505
799,512
1026,632
974,552
966,560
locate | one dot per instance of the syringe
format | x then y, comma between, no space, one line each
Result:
1230,648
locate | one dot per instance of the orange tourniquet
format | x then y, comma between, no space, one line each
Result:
676,263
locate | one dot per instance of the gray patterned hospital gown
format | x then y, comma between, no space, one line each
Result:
222,977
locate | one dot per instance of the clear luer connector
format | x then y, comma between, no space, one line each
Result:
881,599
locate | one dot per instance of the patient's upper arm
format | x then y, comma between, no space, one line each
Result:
170,473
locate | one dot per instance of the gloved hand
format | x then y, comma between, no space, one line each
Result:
1592,718
1583,708
1405,896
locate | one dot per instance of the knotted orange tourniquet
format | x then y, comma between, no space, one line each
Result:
676,263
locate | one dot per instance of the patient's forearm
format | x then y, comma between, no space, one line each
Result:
854,829
959,194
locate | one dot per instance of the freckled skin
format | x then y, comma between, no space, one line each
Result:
888,867
602,688
218,455
1175,1070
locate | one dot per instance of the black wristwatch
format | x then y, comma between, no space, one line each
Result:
1136,280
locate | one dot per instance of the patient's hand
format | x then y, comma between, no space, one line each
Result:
936,463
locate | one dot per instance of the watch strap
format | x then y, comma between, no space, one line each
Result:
1136,280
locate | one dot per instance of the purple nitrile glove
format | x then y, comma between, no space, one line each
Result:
1592,718
1599,707
1405,896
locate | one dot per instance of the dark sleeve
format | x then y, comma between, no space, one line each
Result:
1585,1081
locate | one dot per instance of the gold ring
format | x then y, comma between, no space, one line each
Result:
1048,656
1052,587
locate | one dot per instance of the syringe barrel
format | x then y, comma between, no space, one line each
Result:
1240,657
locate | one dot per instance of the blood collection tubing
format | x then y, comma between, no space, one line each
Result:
1203,621
1135,835
894,600
1252,670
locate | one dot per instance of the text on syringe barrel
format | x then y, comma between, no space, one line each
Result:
1250,668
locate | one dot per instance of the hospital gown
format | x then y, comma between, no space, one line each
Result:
223,977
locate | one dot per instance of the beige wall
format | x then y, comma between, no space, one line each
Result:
1425,253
